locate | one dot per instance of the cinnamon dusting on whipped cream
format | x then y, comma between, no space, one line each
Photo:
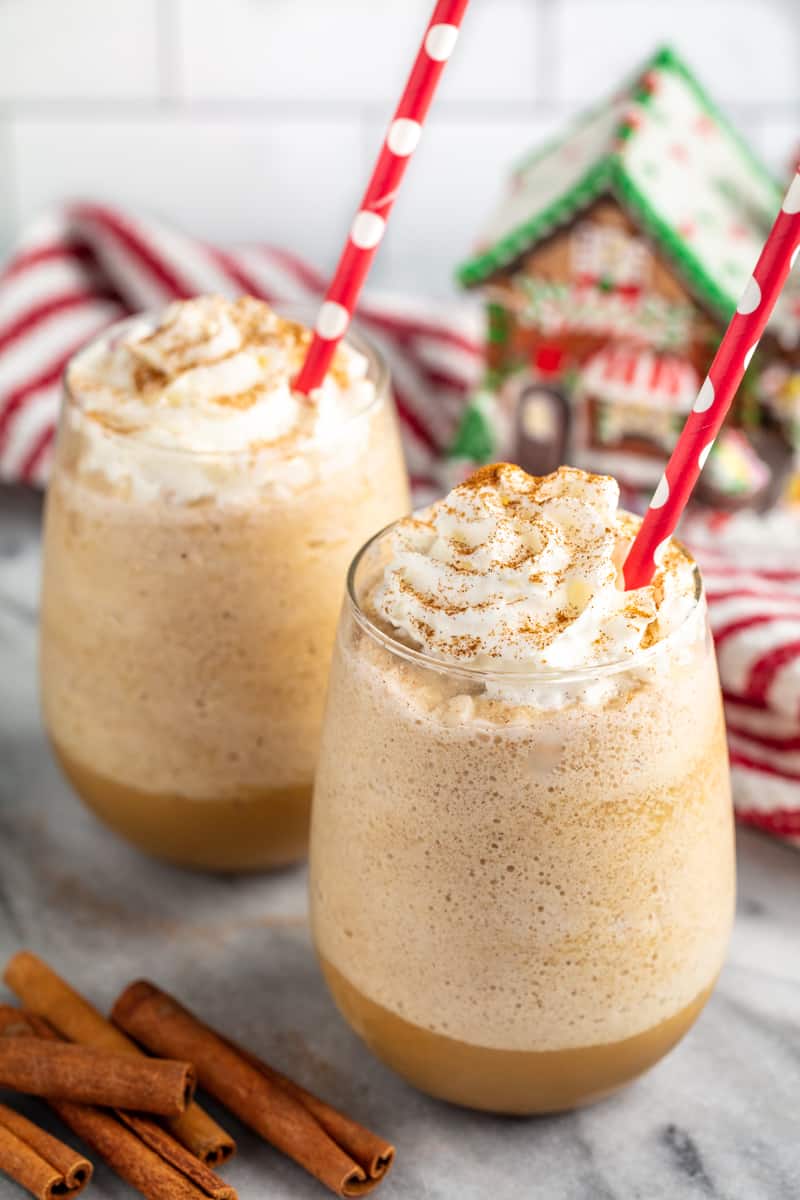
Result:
213,375
511,571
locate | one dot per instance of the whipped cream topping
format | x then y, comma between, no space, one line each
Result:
211,376
515,573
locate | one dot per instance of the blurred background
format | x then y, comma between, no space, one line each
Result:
258,119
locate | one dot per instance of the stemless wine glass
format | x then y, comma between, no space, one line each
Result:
522,887
185,645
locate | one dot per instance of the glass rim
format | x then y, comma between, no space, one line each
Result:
377,371
550,675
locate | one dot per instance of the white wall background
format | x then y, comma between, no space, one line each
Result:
258,119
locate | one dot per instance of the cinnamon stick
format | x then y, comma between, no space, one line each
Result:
45,993
173,1152
119,1138
372,1152
39,1162
125,1153
59,1071
267,1105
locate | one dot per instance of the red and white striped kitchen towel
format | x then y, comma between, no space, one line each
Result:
87,265
78,270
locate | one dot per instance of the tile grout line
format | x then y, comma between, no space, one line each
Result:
104,108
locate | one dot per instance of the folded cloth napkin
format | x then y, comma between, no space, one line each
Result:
79,269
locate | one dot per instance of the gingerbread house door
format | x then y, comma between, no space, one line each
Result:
542,427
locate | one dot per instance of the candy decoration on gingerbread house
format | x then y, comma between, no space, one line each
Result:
610,270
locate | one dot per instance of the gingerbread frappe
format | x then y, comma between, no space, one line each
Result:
522,867
199,525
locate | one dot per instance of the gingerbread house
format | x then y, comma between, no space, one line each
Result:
610,270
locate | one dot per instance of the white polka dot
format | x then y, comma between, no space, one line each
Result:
661,494
750,299
440,40
403,136
791,203
367,230
703,455
748,358
705,397
660,551
793,259
332,320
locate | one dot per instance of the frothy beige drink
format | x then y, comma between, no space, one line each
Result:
522,870
199,525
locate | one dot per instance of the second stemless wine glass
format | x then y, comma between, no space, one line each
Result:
185,645
522,887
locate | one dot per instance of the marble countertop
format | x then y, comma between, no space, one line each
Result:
718,1118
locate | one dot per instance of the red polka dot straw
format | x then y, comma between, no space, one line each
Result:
370,220
714,398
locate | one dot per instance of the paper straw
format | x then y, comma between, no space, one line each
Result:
737,347
370,221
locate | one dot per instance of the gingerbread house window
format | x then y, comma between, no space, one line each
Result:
608,257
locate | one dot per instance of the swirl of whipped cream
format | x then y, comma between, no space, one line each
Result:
211,376
518,573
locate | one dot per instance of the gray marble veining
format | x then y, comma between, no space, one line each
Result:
717,1119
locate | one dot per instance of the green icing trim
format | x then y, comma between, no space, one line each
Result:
609,173
509,248
697,278
478,268
704,285
497,323
667,59
582,119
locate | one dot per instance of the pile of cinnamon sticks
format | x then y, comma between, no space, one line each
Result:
138,1113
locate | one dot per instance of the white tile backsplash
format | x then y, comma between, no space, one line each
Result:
348,51
745,51
260,118
8,219
449,191
292,181
87,49
778,138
